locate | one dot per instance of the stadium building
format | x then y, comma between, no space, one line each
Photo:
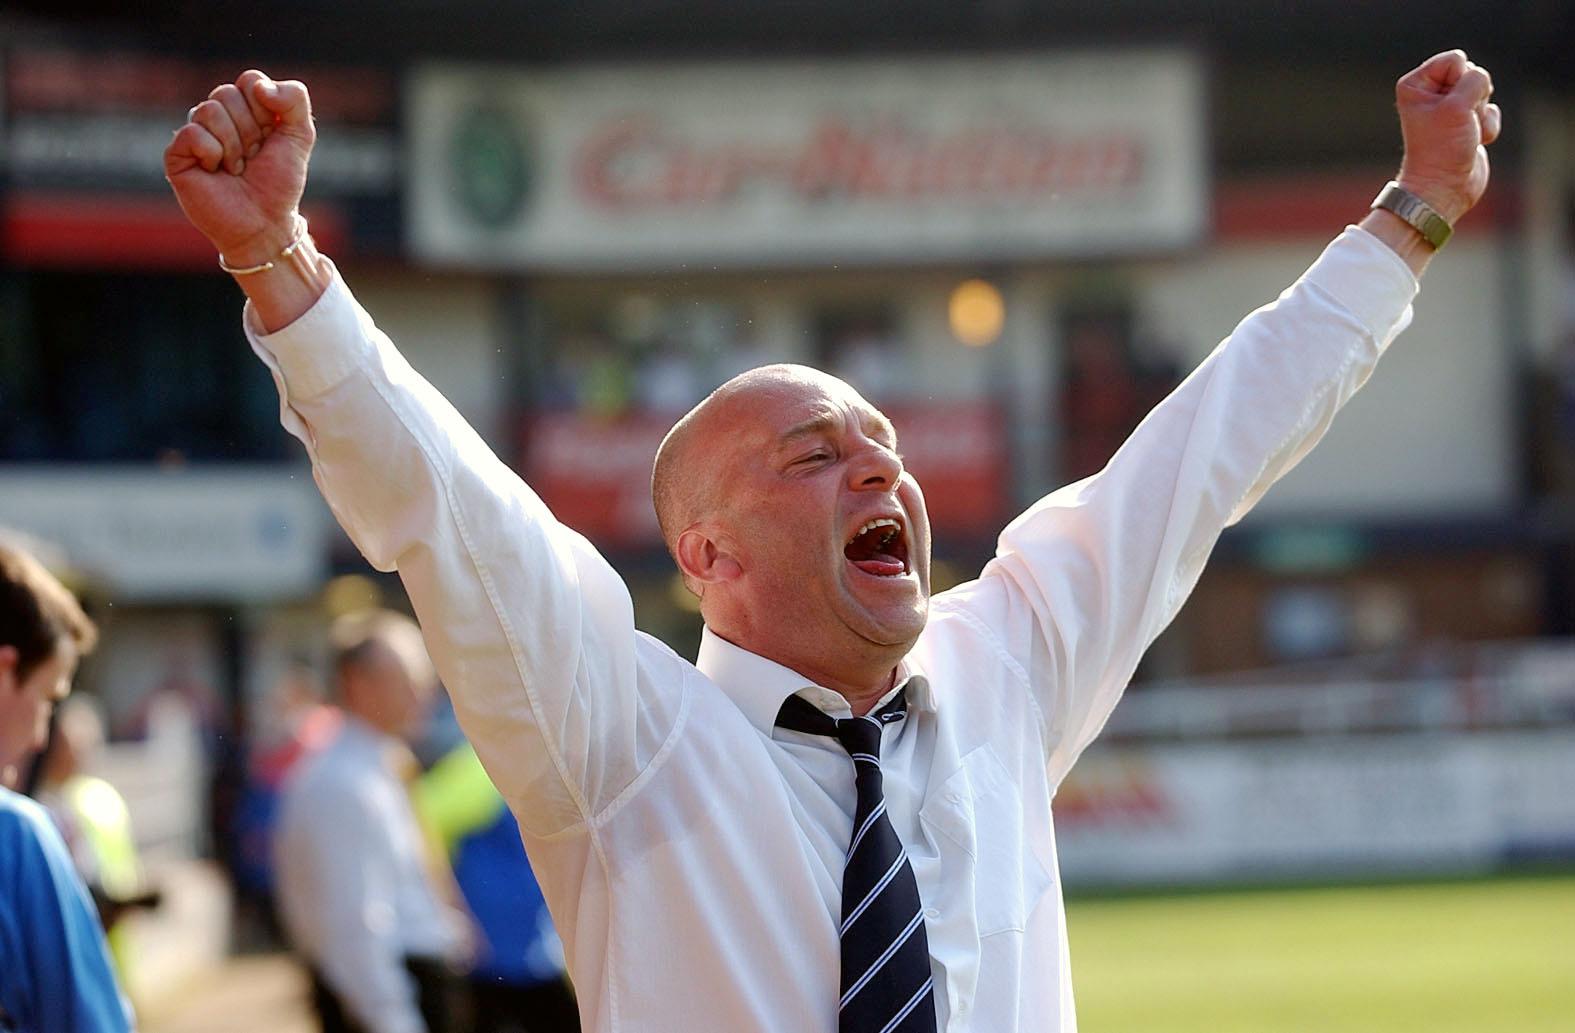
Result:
1014,226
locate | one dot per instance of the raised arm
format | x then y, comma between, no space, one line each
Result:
1086,579
238,168
532,631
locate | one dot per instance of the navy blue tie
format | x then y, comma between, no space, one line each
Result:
886,982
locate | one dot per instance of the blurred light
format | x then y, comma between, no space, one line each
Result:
680,595
350,593
976,313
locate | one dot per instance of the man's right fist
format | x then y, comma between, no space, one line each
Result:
1448,119
238,165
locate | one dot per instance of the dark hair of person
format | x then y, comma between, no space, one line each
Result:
37,612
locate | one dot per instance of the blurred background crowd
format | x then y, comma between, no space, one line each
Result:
1013,225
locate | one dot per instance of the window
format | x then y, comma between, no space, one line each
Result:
106,367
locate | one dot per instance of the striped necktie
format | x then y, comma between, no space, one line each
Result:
886,982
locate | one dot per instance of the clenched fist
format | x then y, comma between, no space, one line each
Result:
238,165
1447,120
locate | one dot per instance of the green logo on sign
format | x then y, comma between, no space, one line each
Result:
491,174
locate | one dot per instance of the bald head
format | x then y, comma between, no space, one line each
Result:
684,478
786,506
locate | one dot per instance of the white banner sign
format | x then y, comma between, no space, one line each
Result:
771,163
1316,808
178,536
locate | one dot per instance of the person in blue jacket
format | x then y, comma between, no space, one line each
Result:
55,974
517,983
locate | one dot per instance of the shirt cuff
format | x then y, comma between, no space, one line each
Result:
1365,275
322,347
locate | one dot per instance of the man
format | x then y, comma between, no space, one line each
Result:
839,817
54,965
354,891
517,982
96,824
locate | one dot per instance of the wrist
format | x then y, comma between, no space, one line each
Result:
1401,238
1448,202
283,293
264,246
1416,213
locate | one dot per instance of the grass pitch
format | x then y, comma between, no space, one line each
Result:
1462,957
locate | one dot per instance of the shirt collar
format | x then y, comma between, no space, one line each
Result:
758,686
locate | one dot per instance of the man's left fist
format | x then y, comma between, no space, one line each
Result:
1447,120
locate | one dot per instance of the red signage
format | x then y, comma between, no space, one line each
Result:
1119,793
83,134
958,453
636,163
595,474
93,82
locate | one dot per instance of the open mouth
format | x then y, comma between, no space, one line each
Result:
880,548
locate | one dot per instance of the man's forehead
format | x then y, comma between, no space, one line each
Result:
802,405
817,419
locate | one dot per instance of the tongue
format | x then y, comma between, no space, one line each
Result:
881,565
867,552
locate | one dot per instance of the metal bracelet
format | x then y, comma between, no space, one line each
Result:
1417,213
288,252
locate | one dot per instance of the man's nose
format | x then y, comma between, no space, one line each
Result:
874,466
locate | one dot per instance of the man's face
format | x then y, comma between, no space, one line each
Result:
393,692
26,703
829,530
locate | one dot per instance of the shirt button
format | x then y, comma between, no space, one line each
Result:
932,912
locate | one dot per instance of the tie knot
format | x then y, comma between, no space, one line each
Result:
858,735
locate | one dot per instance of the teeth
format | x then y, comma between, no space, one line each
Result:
878,522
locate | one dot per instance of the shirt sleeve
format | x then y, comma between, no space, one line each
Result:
63,952
352,885
530,628
1086,578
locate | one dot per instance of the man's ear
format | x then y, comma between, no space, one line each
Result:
703,559
9,658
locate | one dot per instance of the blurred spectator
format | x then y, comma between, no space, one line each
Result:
96,824
296,724
354,890
55,972
517,983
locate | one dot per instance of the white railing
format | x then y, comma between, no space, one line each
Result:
1454,688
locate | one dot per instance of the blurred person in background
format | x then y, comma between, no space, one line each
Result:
294,724
96,824
839,816
55,970
355,893
517,984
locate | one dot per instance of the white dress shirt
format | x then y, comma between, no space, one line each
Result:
353,890
691,853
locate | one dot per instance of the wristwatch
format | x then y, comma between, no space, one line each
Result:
1417,213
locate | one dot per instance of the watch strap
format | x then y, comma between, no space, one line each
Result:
1417,213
